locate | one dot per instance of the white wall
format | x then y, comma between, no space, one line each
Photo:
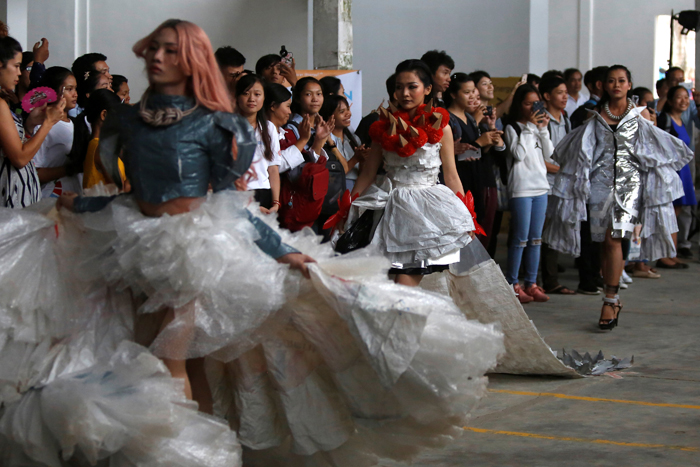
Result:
623,32
488,34
254,28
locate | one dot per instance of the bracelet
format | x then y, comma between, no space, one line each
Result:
277,203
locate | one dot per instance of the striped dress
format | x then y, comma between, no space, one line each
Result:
18,187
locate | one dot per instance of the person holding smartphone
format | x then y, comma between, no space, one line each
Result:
529,146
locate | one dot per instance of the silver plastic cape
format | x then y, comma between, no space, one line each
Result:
627,177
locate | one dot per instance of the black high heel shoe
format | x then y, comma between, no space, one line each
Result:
610,324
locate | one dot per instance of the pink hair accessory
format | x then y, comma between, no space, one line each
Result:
37,97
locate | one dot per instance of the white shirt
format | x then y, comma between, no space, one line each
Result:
291,157
573,104
348,152
54,153
526,155
260,164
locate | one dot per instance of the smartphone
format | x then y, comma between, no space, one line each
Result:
489,111
523,78
286,56
538,107
651,106
635,99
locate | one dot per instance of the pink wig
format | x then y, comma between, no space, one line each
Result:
196,58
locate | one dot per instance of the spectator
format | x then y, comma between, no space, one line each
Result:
100,103
348,145
677,102
645,98
441,66
661,91
273,70
332,85
24,80
250,97
473,148
278,109
549,73
593,80
485,87
41,54
555,96
57,173
81,68
533,80
19,181
231,63
529,147
362,130
574,78
120,86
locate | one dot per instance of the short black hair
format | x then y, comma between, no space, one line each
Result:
265,62
117,81
228,56
674,68
533,79
641,91
548,85
660,83
435,58
27,58
86,63
594,75
569,72
549,73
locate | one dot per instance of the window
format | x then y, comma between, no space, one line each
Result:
683,49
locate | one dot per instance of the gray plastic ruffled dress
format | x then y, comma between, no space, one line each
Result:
626,177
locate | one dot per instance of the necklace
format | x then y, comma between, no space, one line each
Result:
630,105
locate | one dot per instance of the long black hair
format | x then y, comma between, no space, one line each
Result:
54,77
514,113
100,100
606,97
421,70
298,90
275,94
331,103
456,82
8,49
330,85
668,107
243,85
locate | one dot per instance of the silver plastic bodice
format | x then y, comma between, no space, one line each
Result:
616,172
419,170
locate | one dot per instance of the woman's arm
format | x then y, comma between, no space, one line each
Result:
18,153
369,169
50,174
339,156
273,171
449,168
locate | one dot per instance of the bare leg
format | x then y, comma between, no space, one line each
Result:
409,280
612,270
200,385
178,368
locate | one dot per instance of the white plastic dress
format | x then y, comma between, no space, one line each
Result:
423,223
347,368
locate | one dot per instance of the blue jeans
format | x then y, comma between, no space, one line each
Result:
526,223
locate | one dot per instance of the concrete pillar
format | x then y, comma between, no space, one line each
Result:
539,36
585,35
332,34
14,14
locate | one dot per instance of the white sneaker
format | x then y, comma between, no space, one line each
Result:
623,284
626,277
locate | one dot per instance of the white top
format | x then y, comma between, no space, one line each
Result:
260,164
54,153
526,156
573,104
348,152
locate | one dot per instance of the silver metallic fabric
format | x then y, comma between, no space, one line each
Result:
626,178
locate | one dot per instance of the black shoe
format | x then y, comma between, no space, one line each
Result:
587,291
685,253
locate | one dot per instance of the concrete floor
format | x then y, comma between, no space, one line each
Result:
654,419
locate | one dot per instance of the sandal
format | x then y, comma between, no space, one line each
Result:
614,303
561,290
